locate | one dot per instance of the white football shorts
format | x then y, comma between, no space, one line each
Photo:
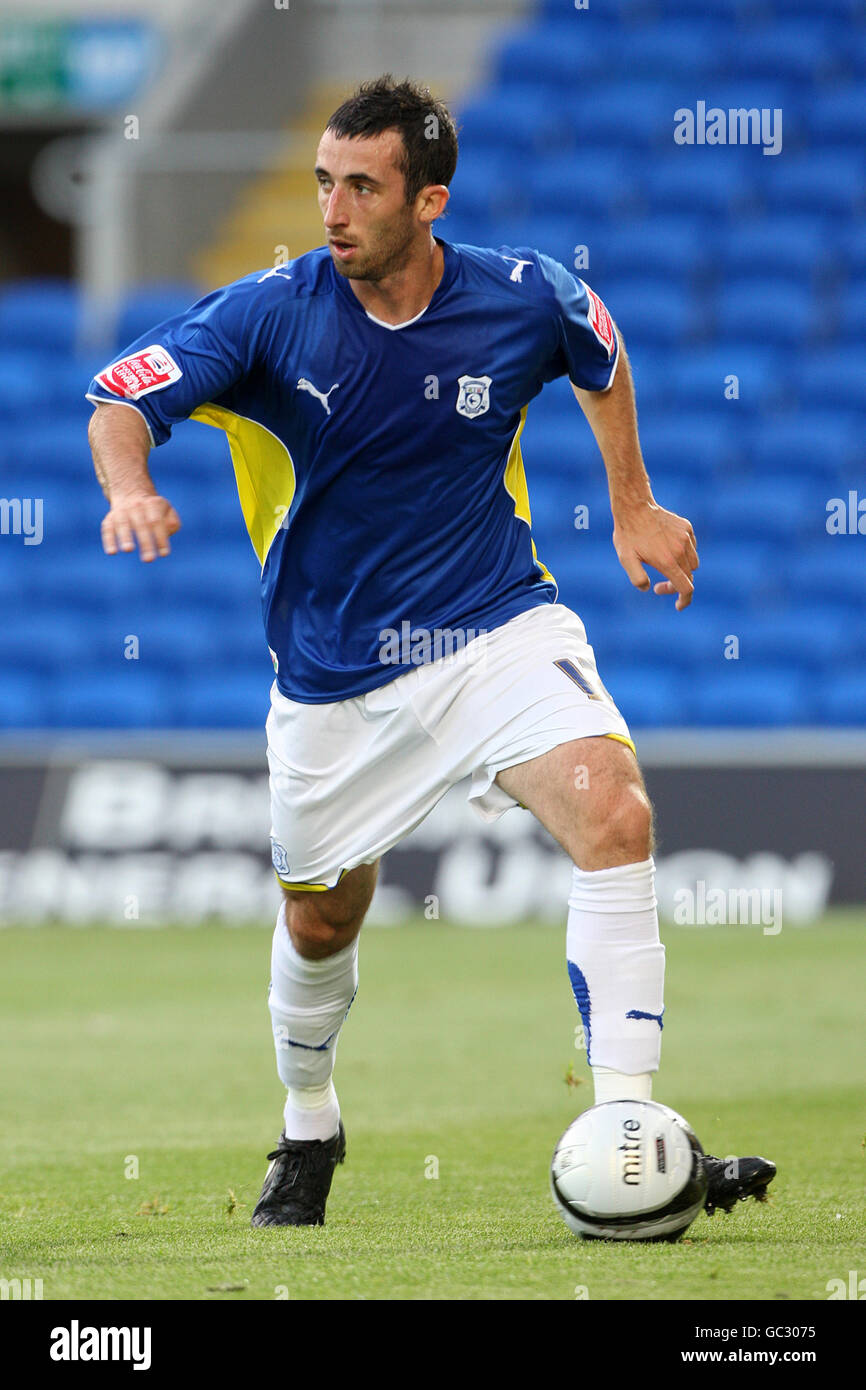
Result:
350,779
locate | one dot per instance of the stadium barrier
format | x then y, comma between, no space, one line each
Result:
755,828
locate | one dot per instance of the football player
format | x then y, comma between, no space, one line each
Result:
373,392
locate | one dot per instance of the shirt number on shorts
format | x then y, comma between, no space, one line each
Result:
569,669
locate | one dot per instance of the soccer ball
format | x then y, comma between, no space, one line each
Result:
628,1170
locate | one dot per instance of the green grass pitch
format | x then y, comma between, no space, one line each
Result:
149,1051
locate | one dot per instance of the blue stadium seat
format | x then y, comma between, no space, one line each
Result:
53,444
119,695
482,187
731,11
194,450
808,638
842,10
715,261
696,48
650,365
742,92
850,246
764,508
700,378
812,443
51,654
837,117
628,12
206,573
554,236
741,693
854,42
224,699
687,181
630,113
88,579
654,632
693,444
27,382
842,698
25,701
794,244
780,312
830,180
558,444
587,565
833,571
853,313
551,506
835,377
151,305
242,641
605,183
673,247
802,49
71,512
652,310
741,572
41,314
648,696
180,638
556,54
465,227
686,495
519,119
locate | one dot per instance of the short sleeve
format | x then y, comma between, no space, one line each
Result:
181,363
588,340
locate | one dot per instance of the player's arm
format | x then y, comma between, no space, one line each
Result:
159,382
589,348
136,515
643,532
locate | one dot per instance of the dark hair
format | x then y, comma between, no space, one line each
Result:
426,125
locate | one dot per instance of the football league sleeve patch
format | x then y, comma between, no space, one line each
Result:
139,373
588,338
179,365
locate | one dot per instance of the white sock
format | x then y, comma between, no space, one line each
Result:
616,964
311,1112
616,1085
309,1001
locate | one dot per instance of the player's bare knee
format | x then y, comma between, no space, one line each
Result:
314,935
623,834
631,824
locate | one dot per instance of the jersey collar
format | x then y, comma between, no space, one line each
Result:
449,271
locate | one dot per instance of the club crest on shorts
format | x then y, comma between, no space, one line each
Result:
279,857
474,396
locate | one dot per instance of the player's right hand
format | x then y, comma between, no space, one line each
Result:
142,519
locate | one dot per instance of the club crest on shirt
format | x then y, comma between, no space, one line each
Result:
474,396
279,857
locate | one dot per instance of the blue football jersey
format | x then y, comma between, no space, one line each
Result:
378,467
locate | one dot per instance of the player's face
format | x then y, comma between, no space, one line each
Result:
370,227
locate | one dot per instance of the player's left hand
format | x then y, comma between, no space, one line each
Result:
653,536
